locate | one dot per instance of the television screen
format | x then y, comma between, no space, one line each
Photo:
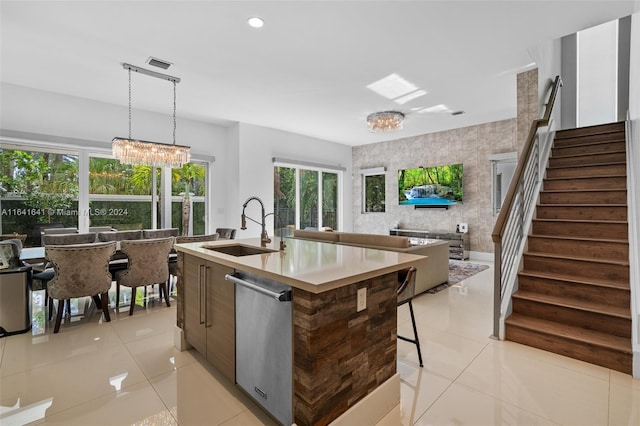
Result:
430,186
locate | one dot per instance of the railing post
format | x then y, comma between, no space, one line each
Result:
497,289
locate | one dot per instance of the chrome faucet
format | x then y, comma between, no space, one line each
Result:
264,238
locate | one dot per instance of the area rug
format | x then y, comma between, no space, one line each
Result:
458,271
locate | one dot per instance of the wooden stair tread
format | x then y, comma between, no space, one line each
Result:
597,240
582,305
569,332
584,259
581,205
582,221
586,177
574,279
589,154
579,143
583,190
608,163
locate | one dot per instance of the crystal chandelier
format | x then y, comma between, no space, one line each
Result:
385,121
156,154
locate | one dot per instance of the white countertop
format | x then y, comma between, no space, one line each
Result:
308,265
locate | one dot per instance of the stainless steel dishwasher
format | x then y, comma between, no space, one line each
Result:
264,343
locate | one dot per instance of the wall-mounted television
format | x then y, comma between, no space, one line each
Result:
435,186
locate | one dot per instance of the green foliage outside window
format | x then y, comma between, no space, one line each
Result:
374,193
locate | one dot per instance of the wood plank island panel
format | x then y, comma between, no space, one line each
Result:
341,355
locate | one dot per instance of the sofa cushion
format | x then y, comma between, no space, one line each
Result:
316,235
374,240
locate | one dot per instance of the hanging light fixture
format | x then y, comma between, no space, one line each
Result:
156,154
385,121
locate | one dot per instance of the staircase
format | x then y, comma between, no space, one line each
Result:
573,294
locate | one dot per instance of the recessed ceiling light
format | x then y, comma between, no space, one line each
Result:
255,22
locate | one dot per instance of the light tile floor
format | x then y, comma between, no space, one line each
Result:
127,372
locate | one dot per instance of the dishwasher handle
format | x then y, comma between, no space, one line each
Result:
283,296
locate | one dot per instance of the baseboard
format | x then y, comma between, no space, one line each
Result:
179,341
373,407
480,255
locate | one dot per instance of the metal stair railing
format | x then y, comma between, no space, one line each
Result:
511,228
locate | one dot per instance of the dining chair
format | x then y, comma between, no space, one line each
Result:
120,235
47,231
47,272
160,233
226,233
174,266
406,291
66,239
148,264
80,270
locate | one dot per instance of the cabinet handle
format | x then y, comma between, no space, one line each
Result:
201,293
207,305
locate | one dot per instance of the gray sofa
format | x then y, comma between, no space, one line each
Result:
429,275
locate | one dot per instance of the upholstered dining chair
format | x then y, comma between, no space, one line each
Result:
160,233
148,265
66,239
174,267
80,270
226,233
120,235
47,272
406,291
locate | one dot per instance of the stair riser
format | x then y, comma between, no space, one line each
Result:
601,230
575,291
584,197
604,357
580,248
602,130
614,182
588,148
582,212
608,324
585,160
588,139
577,268
583,171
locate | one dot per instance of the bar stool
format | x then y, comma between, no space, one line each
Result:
405,296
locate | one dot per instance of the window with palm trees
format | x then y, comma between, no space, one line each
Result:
305,198
40,188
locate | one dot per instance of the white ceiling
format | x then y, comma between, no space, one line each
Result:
306,71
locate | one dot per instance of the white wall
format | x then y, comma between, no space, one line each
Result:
257,147
598,74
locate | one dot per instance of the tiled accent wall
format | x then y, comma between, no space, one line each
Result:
470,146
341,355
528,105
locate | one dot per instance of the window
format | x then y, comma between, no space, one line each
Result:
119,194
373,190
51,185
306,197
38,190
188,189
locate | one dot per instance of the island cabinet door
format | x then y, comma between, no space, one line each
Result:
220,323
194,273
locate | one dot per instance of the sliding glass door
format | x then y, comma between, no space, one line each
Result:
305,198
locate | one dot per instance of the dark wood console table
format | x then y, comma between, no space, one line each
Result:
459,245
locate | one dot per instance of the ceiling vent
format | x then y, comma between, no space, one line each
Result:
159,63
457,113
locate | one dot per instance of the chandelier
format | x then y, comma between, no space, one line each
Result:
145,153
385,121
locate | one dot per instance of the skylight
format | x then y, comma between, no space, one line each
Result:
392,86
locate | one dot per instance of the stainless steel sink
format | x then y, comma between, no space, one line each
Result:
239,250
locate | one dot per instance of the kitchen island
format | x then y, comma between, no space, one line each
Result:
340,355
